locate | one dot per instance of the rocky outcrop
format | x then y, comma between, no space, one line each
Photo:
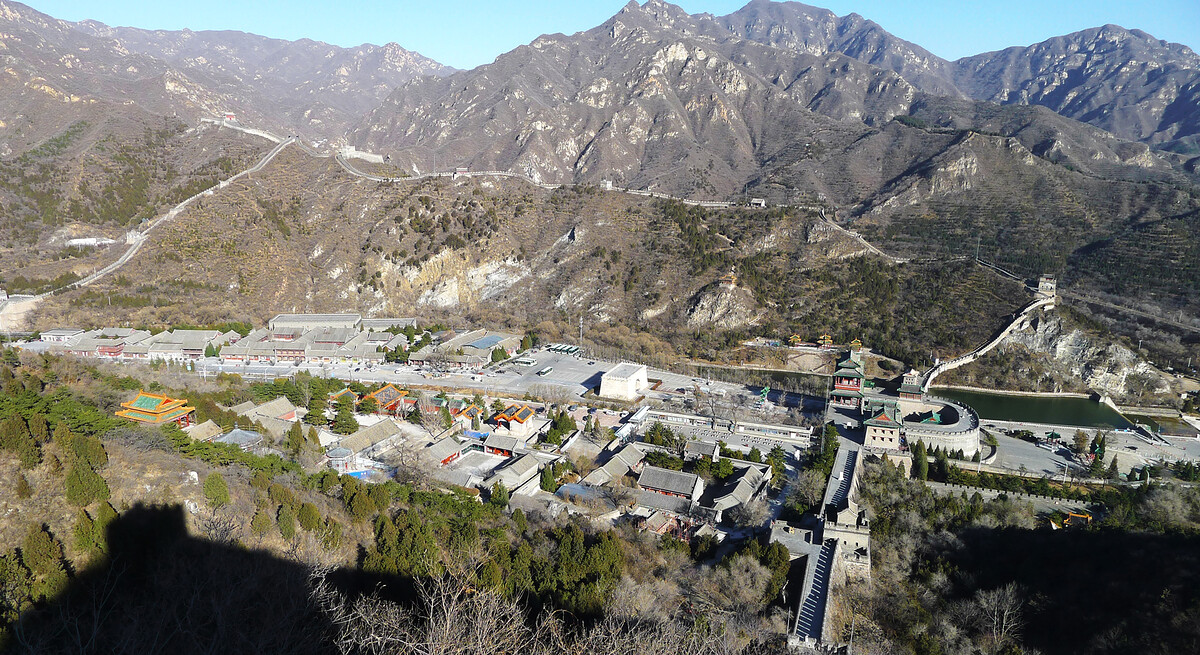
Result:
1107,368
723,307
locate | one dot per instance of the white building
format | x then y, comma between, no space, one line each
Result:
624,381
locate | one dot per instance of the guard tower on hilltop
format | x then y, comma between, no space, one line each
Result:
1047,287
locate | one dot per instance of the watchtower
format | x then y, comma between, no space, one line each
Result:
1047,287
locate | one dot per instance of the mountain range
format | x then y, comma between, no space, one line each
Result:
1076,156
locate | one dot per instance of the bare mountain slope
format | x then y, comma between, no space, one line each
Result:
656,98
1124,81
319,88
52,74
645,99
800,27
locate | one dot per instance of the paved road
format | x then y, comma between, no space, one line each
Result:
1013,453
1132,446
572,374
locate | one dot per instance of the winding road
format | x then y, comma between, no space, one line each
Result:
13,311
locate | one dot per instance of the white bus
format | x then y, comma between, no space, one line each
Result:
523,362
546,371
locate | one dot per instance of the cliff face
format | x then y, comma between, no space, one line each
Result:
723,307
1108,368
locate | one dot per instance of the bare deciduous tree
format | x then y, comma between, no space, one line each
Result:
999,615
750,514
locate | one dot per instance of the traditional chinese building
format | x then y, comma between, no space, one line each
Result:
387,399
910,389
157,409
884,427
848,383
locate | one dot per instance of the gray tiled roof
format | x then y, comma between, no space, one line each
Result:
667,480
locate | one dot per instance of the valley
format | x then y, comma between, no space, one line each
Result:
768,332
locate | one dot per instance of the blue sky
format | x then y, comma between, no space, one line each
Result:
467,33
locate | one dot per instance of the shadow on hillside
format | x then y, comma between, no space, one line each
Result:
165,591
1094,592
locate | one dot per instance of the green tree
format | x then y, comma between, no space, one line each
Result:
498,406
23,489
286,518
216,490
294,441
39,428
548,481
444,413
85,531
942,464
42,554
368,405
755,455
920,468
723,469
1113,473
499,355
344,421
86,450
84,485
310,517
519,521
105,515
314,439
261,480
499,496
261,522
361,507
210,351
16,438
316,408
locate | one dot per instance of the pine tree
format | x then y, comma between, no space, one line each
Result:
260,523
216,490
310,517
105,515
39,428
43,556
86,450
920,470
84,485
23,489
1113,473
499,496
331,535
361,507
295,440
210,351
314,438
287,522
85,531
15,438
344,421
316,409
